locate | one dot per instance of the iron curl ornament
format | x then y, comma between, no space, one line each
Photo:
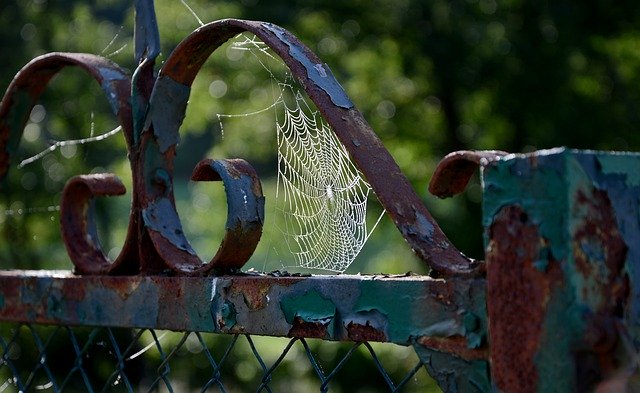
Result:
150,108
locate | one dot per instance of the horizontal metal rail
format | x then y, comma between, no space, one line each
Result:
402,309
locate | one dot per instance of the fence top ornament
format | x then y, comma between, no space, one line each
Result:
150,107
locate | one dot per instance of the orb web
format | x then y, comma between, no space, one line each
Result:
320,192
321,197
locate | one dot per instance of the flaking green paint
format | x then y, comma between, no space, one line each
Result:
318,73
563,327
536,188
228,313
310,306
167,110
390,300
472,330
622,163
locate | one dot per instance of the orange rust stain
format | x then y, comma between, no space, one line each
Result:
456,345
517,296
359,333
304,329
255,289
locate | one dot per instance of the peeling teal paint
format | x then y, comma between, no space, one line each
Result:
161,217
425,226
310,306
108,76
622,163
563,328
147,36
100,303
244,206
472,330
536,188
389,302
228,313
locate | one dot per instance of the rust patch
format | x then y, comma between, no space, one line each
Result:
600,254
254,290
74,290
304,329
456,345
444,293
517,295
599,229
358,332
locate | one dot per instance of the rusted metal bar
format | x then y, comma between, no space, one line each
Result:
406,310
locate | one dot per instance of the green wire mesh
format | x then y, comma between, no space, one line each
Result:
37,358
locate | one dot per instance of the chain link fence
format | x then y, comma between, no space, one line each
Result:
38,358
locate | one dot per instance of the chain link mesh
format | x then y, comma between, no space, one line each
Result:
38,358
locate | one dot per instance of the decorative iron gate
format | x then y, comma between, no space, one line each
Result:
552,308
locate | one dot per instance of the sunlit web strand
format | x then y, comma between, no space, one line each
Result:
32,210
69,142
192,12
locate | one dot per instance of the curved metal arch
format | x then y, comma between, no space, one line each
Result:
15,108
385,177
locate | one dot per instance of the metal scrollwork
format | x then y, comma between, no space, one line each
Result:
150,110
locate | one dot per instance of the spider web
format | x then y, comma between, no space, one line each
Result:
320,194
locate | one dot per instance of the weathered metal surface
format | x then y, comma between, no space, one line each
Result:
20,98
562,234
404,310
245,209
78,228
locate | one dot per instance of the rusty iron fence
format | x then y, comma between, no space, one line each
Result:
553,308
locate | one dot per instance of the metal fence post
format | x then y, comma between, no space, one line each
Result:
562,230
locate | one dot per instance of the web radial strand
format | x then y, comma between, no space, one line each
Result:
321,194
